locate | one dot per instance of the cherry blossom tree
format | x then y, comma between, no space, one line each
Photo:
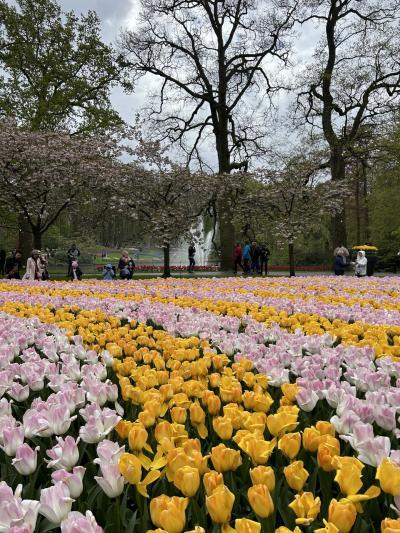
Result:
44,173
290,197
167,198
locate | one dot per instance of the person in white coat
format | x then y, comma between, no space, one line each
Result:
360,264
33,267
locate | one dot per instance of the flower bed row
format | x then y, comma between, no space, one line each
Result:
304,440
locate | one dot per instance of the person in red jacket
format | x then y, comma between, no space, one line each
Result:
237,258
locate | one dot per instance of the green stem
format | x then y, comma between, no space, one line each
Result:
117,511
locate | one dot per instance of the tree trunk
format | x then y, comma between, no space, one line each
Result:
358,210
291,260
24,237
37,240
338,222
225,211
365,199
167,269
226,234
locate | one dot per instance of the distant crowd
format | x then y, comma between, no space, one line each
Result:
251,258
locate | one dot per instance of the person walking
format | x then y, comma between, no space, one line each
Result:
13,265
255,257
360,264
191,253
246,257
73,255
264,257
33,267
237,257
2,261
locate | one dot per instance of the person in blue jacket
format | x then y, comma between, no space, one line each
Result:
246,255
108,272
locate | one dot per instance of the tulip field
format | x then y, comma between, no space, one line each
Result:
200,405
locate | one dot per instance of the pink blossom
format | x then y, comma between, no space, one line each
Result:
74,480
13,437
111,480
65,454
79,523
25,461
55,503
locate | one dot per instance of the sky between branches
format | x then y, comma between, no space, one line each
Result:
116,15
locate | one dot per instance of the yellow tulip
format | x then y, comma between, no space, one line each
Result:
147,419
296,475
342,514
122,428
130,467
311,439
325,428
290,445
187,480
260,500
290,391
327,451
225,459
197,415
137,437
213,405
169,512
306,508
329,528
219,504
390,525
263,475
258,449
197,529
349,475
242,525
212,480
388,474
223,427
178,414
281,423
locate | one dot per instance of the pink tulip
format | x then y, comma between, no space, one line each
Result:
111,482
25,461
19,392
15,512
109,452
55,503
13,437
65,454
74,480
78,523
306,399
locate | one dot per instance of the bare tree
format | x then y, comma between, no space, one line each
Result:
355,77
211,57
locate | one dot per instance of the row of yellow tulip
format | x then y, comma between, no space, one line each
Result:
385,339
207,429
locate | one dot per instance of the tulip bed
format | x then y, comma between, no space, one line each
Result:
215,405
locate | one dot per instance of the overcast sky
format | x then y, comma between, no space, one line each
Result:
115,15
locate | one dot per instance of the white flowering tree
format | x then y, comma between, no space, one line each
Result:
168,199
44,173
296,197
